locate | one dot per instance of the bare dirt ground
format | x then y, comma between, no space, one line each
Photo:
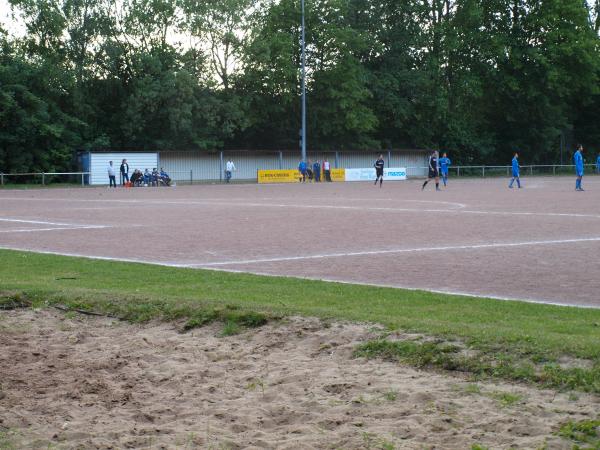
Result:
477,237
83,382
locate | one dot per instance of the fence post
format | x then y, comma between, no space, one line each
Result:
458,171
553,169
280,160
483,171
221,167
1,179
389,158
531,170
82,179
43,179
336,160
191,177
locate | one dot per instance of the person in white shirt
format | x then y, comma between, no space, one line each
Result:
111,175
327,170
229,168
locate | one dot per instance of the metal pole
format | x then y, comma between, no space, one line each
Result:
191,177
280,160
82,179
336,160
389,158
221,167
303,88
562,144
43,179
483,171
2,179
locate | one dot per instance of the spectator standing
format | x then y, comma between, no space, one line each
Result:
317,171
327,170
124,171
112,181
229,168
302,170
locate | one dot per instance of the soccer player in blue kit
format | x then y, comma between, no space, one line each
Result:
515,172
444,164
578,160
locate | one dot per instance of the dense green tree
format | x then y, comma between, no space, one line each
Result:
479,78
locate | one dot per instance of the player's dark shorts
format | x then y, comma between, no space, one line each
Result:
433,173
378,172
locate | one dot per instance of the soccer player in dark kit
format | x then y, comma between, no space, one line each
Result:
379,170
434,170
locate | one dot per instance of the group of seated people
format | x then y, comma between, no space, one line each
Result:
147,178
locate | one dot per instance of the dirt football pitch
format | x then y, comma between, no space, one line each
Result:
476,237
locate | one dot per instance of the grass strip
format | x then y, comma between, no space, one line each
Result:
513,339
585,434
505,366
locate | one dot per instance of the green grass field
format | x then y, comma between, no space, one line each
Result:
506,339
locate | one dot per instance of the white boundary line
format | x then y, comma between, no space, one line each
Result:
357,283
399,250
37,222
227,204
53,226
34,230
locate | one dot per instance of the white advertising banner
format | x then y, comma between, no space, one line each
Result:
389,174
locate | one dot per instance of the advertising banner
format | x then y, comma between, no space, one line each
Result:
336,175
278,176
293,176
368,174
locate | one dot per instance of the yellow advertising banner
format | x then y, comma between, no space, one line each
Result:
337,175
278,176
293,176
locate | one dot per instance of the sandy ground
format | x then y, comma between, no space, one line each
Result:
86,382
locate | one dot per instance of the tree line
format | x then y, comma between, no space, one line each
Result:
477,78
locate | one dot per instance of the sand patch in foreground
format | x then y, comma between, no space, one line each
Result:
100,383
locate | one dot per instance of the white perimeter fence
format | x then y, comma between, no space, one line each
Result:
190,177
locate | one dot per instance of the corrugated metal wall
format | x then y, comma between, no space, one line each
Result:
198,165
99,164
183,166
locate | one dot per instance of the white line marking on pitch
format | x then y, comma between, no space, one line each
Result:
400,250
326,207
37,222
192,267
408,288
34,230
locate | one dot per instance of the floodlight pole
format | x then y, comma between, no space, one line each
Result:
303,132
